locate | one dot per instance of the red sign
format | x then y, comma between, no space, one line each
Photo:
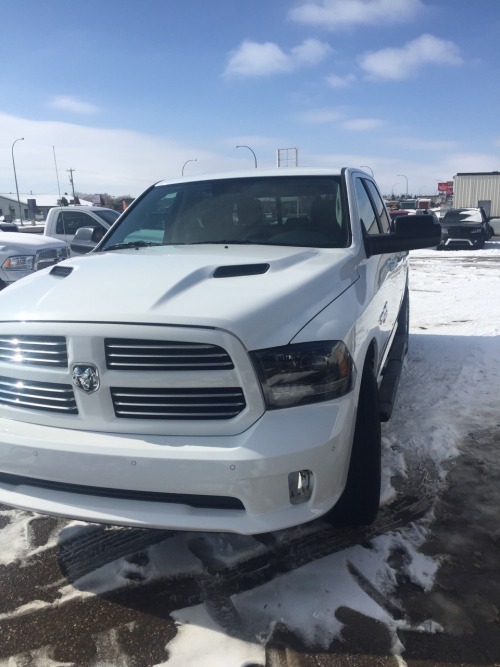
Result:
446,187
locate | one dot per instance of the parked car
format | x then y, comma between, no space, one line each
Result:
220,362
8,227
398,212
23,254
464,228
64,221
495,226
429,212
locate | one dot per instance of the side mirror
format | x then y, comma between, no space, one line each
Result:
86,239
410,232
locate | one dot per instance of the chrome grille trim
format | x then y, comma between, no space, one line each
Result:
210,403
44,258
153,355
34,350
47,396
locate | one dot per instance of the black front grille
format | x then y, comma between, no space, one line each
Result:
171,404
463,232
152,355
47,396
34,350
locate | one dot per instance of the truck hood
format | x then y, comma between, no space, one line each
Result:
262,294
28,242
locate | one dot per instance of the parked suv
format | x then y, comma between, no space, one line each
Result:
221,361
464,228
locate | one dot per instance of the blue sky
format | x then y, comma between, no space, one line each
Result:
125,92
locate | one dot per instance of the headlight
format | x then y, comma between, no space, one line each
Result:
304,373
19,263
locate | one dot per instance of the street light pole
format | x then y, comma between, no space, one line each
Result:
15,178
365,166
254,156
185,163
403,176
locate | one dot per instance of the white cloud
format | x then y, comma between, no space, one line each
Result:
320,116
337,14
362,124
68,103
413,143
311,52
403,63
254,59
336,81
105,160
332,115
264,59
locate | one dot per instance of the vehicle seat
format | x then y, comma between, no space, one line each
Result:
324,220
217,221
249,212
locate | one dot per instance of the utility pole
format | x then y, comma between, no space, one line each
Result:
15,177
70,172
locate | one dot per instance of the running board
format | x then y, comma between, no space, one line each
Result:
390,379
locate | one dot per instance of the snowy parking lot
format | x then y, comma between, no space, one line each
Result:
420,586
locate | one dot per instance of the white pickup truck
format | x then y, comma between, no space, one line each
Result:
221,361
22,254
64,221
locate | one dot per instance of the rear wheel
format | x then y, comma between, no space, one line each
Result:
358,505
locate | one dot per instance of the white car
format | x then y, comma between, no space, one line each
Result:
221,361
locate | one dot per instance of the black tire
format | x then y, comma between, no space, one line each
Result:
358,505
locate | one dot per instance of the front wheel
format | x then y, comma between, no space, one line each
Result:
358,505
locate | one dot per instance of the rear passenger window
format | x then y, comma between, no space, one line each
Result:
366,211
379,205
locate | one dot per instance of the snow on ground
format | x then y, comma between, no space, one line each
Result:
450,385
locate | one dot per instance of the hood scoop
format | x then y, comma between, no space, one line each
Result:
236,270
61,271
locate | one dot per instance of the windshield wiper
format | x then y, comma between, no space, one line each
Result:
131,244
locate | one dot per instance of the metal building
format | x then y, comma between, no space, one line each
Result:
478,189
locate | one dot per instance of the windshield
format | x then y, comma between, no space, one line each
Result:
281,210
107,215
462,216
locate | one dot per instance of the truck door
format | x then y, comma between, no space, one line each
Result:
69,222
386,273
485,204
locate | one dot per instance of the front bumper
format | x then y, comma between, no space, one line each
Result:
10,277
251,467
468,242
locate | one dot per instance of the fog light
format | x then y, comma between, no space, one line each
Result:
300,486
